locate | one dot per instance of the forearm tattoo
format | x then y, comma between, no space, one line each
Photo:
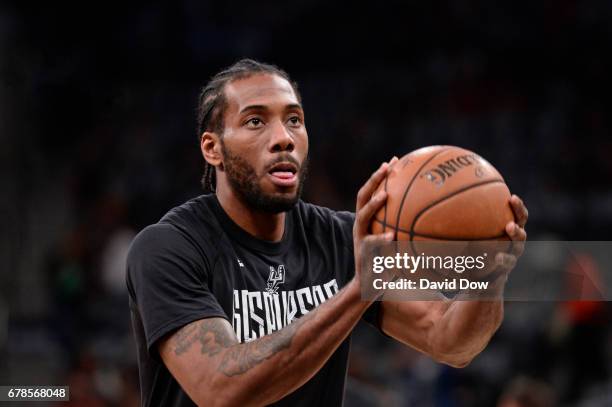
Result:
236,358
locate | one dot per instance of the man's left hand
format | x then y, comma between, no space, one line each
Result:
516,232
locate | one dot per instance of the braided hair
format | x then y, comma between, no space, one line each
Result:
212,104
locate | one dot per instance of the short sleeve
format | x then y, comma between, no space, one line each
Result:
167,280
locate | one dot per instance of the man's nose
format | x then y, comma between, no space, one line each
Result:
281,138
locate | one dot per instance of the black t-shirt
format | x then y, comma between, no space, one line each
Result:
197,263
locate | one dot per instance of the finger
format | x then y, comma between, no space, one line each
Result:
518,235
516,232
520,210
379,238
367,211
366,191
393,160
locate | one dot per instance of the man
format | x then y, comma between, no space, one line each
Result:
248,296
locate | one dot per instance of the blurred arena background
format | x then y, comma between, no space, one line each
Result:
98,140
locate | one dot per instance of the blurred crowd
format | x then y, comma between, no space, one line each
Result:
97,119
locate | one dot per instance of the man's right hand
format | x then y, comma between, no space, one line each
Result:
368,203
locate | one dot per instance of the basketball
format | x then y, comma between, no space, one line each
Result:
444,193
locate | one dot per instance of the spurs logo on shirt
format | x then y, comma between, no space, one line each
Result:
275,278
259,313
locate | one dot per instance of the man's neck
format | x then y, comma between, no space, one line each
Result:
262,225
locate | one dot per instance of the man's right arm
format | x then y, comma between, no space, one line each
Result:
215,369
211,365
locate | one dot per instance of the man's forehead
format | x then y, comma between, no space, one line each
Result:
259,89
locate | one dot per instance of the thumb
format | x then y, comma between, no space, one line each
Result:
378,238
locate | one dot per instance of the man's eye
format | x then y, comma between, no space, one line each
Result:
254,122
295,120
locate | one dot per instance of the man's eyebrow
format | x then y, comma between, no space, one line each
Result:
292,106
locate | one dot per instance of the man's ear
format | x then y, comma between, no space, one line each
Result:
210,144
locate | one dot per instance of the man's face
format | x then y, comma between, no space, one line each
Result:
264,143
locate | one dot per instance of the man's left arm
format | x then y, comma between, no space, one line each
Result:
454,332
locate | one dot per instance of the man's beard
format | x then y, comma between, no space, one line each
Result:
245,183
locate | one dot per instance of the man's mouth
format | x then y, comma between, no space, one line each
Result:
284,174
